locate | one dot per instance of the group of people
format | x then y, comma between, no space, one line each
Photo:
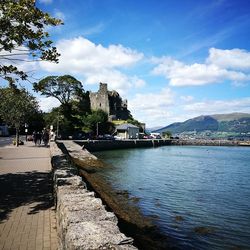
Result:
44,136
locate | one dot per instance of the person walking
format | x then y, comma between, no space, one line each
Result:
45,137
34,137
39,138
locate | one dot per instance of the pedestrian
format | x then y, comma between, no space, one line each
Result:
52,135
34,137
39,138
45,137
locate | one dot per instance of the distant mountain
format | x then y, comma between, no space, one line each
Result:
153,128
234,122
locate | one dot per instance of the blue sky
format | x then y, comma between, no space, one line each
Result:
172,60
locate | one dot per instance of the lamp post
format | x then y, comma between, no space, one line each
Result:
26,131
57,126
57,123
97,129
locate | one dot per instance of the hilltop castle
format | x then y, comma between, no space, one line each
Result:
110,102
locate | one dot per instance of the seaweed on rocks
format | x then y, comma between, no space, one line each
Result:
130,220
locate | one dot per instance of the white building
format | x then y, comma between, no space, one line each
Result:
127,131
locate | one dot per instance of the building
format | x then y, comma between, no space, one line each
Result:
127,131
110,102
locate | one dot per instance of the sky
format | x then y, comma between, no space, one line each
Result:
171,59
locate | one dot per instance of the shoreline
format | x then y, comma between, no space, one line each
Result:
131,221
209,142
101,145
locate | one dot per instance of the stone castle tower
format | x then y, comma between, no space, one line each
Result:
110,102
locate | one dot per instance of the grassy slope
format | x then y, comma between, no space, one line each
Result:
237,122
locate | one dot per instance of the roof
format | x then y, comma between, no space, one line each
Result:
125,126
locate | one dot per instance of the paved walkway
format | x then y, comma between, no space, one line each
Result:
27,217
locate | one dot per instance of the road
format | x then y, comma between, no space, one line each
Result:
4,141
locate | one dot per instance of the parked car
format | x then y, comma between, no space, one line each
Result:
105,137
148,137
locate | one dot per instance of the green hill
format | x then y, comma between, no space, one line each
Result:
234,122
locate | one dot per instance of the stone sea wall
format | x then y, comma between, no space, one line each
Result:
82,220
98,145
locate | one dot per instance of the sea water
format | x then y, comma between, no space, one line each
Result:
198,195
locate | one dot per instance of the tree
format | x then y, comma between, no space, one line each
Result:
16,107
63,126
63,88
66,89
81,105
95,121
167,134
135,122
23,37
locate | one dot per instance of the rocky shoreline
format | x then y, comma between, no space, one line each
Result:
208,142
130,220
83,221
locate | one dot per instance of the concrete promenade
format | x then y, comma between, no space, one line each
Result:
27,216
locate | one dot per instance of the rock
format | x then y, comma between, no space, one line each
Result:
82,220
73,181
204,230
179,218
95,235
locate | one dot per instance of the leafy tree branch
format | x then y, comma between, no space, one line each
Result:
23,28
63,88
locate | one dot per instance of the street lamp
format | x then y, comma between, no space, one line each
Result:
97,129
57,124
26,131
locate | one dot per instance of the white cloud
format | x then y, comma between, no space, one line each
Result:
18,57
151,101
180,74
219,106
166,107
47,103
220,66
115,79
152,108
82,56
94,29
137,82
232,59
187,98
96,63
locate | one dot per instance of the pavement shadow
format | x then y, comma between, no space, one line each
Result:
25,188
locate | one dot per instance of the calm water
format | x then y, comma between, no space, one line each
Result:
188,188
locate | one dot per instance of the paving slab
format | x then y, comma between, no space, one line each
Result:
27,216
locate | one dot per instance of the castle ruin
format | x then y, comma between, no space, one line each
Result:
110,102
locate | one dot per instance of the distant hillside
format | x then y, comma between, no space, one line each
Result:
234,122
230,117
153,128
